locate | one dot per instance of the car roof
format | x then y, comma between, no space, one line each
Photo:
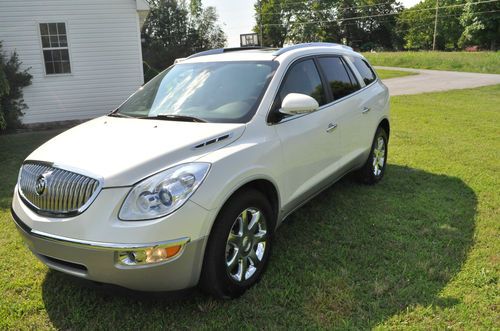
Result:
269,54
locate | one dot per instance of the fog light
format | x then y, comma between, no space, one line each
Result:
149,255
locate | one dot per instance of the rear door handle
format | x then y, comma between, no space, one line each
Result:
331,127
365,110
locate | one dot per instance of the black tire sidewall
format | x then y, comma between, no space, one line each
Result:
380,133
366,173
215,278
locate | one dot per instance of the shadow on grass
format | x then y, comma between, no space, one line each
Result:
351,258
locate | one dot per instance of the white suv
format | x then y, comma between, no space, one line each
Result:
186,182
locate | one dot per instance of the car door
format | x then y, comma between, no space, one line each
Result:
310,142
374,99
347,106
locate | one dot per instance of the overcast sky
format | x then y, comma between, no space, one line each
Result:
237,16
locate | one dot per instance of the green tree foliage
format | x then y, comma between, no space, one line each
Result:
481,24
416,24
12,81
360,23
174,29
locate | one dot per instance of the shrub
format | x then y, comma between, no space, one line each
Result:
12,82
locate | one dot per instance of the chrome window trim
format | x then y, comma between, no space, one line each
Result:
324,106
75,170
291,118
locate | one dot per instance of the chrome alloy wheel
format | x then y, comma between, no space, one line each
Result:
379,156
246,244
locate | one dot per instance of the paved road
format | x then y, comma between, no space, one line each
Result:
436,80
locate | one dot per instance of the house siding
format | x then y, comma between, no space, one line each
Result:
105,55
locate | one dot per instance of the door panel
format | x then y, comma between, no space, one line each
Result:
311,151
347,106
310,143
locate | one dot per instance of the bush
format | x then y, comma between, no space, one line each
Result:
12,82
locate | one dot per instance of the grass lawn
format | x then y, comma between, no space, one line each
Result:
484,62
387,74
420,250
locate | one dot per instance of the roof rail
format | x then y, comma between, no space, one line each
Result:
224,50
304,45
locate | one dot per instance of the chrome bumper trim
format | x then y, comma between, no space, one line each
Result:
93,244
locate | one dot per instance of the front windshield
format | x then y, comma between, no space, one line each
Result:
211,91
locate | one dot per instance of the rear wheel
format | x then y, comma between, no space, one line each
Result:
374,168
239,245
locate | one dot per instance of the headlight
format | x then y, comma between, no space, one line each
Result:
163,193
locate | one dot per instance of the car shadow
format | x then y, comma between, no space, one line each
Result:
353,257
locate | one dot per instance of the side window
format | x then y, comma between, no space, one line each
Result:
364,70
339,80
303,78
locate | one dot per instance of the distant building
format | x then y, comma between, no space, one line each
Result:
84,55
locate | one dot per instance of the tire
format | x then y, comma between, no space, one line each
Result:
373,171
218,278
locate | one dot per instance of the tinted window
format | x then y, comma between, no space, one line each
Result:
304,78
338,77
364,69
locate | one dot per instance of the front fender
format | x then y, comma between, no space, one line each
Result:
235,166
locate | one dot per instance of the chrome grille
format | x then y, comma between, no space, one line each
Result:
53,190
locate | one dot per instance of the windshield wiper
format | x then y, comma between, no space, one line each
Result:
174,117
115,114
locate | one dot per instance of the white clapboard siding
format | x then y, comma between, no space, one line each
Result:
105,55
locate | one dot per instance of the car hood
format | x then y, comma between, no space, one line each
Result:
122,151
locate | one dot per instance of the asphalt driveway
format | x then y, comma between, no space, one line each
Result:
436,80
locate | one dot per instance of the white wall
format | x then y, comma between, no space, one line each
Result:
105,55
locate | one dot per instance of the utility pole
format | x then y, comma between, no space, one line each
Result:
260,19
435,26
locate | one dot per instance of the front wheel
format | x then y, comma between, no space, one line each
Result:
239,245
374,168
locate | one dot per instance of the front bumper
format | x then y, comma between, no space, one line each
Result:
98,261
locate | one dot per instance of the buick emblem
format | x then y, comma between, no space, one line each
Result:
41,184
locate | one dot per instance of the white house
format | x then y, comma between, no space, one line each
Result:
84,55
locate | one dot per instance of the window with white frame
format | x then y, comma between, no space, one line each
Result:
55,48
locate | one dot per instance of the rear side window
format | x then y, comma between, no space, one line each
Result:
337,75
304,78
364,70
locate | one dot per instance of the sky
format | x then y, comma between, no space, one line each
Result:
237,16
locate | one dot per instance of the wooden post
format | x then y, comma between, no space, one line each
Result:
435,26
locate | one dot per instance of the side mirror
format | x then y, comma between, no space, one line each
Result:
297,103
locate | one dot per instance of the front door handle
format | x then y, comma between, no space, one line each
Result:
365,110
331,127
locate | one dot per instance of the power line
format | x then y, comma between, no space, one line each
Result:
342,20
381,21
334,8
397,13
379,15
318,10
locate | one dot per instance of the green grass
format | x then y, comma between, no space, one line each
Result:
387,74
484,62
420,250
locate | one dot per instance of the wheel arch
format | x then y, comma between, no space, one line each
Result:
262,184
384,124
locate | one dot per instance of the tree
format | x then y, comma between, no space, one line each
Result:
416,24
12,82
481,24
205,32
359,22
174,30
274,16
